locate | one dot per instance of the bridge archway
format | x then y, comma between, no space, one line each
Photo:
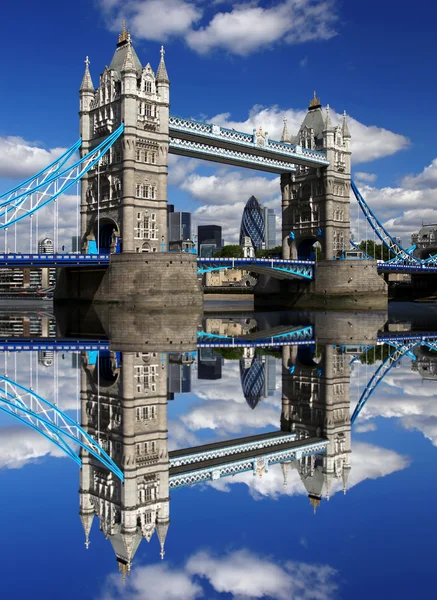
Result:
107,235
107,372
306,249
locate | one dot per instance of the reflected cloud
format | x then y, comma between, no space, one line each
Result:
19,446
369,462
241,573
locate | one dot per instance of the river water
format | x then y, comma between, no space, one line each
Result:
243,473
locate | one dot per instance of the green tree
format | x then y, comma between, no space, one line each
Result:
230,353
276,251
231,251
377,251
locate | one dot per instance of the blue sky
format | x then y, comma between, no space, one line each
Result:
244,64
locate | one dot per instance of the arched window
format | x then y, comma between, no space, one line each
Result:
148,86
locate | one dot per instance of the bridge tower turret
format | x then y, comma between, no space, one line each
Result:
315,202
124,199
316,403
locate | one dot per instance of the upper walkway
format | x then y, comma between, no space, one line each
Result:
209,141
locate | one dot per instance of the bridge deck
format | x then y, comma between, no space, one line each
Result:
226,460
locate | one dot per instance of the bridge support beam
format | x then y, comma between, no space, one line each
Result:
155,281
338,284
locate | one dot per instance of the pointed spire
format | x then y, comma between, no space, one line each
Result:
346,132
124,568
345,477
161,530
285,136
314,501
161,74
87,521
87,83
128,64
328,123
284,467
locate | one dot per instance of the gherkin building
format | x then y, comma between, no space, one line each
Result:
252,380
252,224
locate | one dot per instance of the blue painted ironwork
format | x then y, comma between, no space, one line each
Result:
51,344
53,260
55,425
381,232
400,350
296,336
303,269
51,170
232,467
229,156
257,143
24,200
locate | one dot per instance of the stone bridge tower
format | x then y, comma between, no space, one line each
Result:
316,403
124,199
124,406
315,202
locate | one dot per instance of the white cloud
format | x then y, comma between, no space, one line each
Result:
365,427
368,142
427,180
22,159
20,445
240,574
154,582
366,177
242,29
368,462
245,574
230,186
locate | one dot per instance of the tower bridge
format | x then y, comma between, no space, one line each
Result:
127,470
126,135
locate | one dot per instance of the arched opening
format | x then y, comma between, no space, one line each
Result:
105,232
307,356
145,247
107,371
306,249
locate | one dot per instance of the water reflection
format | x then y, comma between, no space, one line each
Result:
291,432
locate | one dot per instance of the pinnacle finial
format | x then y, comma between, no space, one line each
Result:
346,132
87,83
124,36
315,102
285,137
161,74
87,543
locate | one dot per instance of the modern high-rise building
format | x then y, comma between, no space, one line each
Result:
209,365
208,235
179,378
252,224
179,226
270,227
48,276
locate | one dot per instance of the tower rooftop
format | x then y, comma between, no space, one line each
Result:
124,42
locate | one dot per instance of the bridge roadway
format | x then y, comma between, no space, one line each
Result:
287,338
276,267
221,459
